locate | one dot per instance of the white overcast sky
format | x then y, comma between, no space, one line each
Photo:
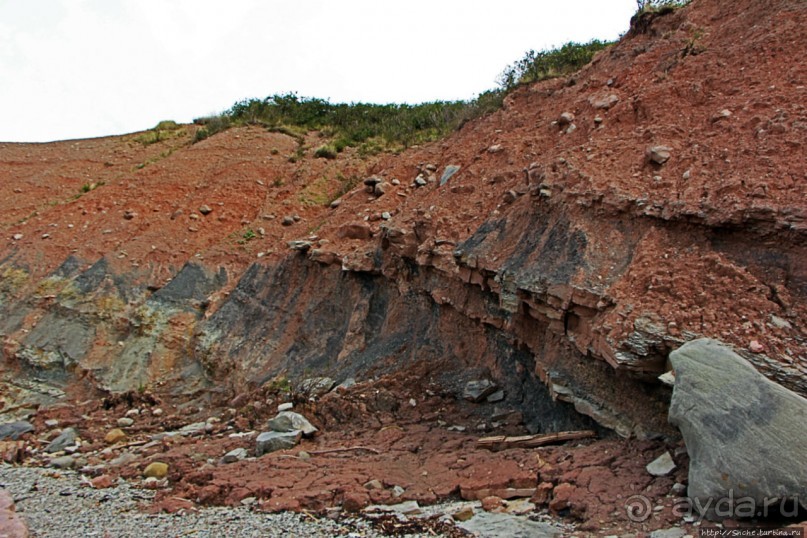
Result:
84,68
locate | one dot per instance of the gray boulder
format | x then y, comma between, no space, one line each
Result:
746,435
65,439
15,430
272,441
289,421
316,386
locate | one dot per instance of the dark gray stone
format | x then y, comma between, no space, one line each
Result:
746,435
57,342
192,282
288,421
476,391
272,441
65,439
14,430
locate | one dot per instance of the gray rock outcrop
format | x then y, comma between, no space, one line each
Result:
14,430
272,441
478,390
746,435
65,439
288,421
316,386
235,455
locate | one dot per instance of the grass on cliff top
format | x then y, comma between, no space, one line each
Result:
373,128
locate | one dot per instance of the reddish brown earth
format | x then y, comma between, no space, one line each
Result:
363,439
565,265
11,524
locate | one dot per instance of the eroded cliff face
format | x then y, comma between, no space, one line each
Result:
593,225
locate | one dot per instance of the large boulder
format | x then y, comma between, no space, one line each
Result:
746,435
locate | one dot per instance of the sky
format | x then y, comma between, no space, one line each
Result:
85,68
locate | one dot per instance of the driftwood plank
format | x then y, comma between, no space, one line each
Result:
500,442
345,449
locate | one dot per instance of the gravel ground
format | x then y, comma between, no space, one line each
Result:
58,505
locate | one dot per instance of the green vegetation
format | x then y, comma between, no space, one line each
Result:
163,155
373,128
211,126
380,127
88,187
328,151
164,130
248,235
346,185
12,279
537,66
277,385
317,192
649,10
166,125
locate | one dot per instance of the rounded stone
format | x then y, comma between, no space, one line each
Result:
156,469
115,436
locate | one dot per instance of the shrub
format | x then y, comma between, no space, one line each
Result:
88,187
374,128
210,126
648,10
162,131
166,125
537,66
325,152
